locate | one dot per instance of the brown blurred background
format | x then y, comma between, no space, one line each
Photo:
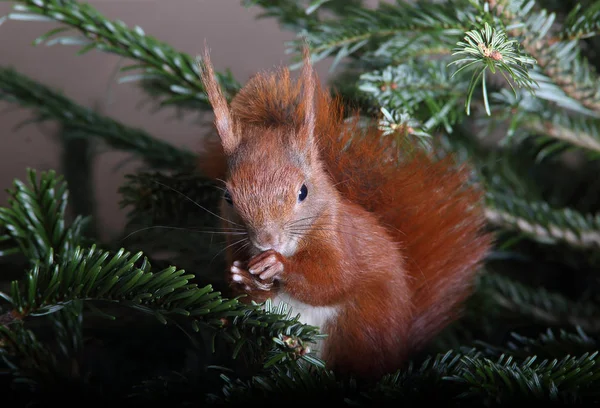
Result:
237,40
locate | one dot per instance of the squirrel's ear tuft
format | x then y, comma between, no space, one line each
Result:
223,120
308,81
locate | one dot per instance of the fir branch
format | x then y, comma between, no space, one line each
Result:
176,214
581,23
51,105
35,218
406,385
407,88
547,344
290,14
295,385
506,380
407,85
7,245
537,220
358,27
490,49
300,384
574,131
25,355
303,14
62,273
169,197
528,115
176,74
407,131
561,67
539,304
33,361
96,275
402,48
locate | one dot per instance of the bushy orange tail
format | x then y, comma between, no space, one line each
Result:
428,206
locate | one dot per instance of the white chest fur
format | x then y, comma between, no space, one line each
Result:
312,315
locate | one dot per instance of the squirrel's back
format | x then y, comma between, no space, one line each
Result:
428,205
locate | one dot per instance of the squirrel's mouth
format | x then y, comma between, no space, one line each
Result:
286,247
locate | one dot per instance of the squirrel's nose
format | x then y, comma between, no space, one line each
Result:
266,240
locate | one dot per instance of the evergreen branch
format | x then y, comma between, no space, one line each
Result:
560,63
25,354
548,344
542,223
577,131
581,23
407,131
407,88
505,379
358,27
176,214
490,49
176,74
169,197
62,273
528,115
457,378
304,14
97,275
295,385
68,329
401,48
7,245
51,105
93,274
35,218
290,14
538,303
407,85
30,359
406,385
570,90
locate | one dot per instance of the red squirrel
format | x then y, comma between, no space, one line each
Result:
376,249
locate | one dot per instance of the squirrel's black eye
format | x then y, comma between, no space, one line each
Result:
227,197
302,193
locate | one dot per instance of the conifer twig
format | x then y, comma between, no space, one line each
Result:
358,27
63,272
539,304
490,50
51,105
577,137
547,121
559,61
581,23
176,75
542,223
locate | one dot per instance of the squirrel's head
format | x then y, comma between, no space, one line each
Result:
276,186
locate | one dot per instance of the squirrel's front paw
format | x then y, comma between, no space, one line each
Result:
250,282
267,265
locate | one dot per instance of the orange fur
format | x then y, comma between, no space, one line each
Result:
396,246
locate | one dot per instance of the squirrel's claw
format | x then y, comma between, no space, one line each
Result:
250,282
267,265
